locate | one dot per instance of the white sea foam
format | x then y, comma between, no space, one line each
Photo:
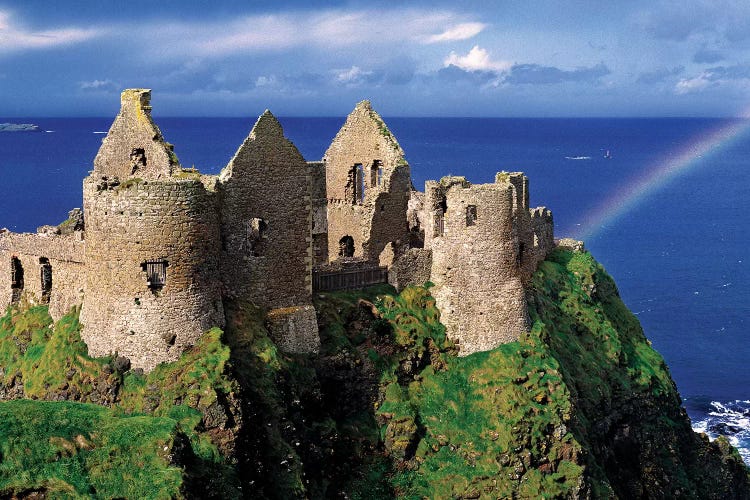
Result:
729,419
99,132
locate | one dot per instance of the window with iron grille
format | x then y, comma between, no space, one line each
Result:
156,273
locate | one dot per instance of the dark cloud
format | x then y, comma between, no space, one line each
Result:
659,75
736,72
535,74
400,70
706,55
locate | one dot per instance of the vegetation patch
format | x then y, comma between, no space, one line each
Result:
74,450
46,361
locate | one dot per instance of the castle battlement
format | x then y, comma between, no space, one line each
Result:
163,248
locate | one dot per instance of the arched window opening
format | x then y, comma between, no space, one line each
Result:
46,278
346,246
16,279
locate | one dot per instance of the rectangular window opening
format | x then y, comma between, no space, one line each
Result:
471,215
156,273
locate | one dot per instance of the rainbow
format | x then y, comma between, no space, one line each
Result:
660,174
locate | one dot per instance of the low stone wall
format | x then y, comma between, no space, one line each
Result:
294,329
412,268
65,255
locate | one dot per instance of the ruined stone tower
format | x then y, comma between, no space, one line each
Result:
152,282
484,246
367,187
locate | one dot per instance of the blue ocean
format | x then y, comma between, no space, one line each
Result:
679,253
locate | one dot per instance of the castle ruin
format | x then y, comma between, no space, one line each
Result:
159,249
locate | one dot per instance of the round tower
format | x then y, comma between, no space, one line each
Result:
152,283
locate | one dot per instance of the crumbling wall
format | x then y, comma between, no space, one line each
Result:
367,186
65,256
173,222
475,268
266,216
294,329
413,267
134,146
543,229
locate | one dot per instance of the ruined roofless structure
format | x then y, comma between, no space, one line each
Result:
162,248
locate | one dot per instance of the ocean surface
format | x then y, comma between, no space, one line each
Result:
678,254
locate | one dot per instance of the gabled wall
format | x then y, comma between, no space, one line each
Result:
375,218
134,146
266,220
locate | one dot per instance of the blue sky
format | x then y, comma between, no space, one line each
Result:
419,58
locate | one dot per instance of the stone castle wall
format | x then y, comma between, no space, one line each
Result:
475,269
171,220
367,203
266,218
65,255
413,267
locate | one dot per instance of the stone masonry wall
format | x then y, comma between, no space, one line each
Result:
127,225
134,145
542,227
412,268
368,204
65,255
475,269
266,218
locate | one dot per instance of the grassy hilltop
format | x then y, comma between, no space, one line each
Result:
581,407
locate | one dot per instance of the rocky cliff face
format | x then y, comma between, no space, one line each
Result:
580,407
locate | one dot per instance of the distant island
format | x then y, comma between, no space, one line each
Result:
19,127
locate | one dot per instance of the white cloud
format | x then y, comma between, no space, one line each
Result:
695,84
478,59
266,81
352,76
327,28
101,85
14,38
462,31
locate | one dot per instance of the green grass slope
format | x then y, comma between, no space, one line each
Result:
191,399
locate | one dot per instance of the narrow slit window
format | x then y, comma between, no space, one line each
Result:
46,278
156,273
439,229
16,279
256,233
471,215
376,173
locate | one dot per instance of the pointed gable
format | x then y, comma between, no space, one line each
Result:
265,147
364,142
134,146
